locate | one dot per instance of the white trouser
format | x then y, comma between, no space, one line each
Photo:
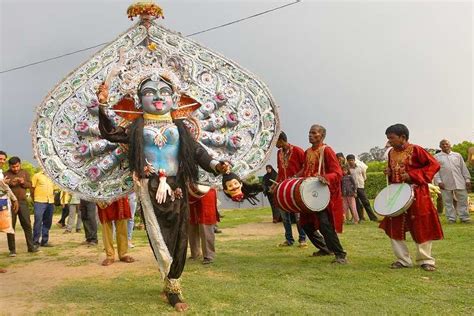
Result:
461,206
423,253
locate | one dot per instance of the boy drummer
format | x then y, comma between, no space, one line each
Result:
412,164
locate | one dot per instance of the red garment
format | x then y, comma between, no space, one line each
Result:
331,170
421,219
119,209
204,211
287,168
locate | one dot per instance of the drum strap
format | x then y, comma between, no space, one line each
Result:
321,159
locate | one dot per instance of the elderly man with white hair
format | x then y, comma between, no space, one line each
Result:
454,181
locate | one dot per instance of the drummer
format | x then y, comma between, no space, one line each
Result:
290,160
412,164
329,221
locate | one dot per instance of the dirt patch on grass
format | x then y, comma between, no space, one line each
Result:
261,230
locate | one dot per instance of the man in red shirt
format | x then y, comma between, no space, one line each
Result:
202,219
119,213
290,161
412,164
328,221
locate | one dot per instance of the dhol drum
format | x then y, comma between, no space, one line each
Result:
394,200
197,191
296,195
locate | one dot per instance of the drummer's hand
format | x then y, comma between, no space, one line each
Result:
405,177
387,171
272,188
323,180
441,185
468,186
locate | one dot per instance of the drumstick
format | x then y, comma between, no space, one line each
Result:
274,181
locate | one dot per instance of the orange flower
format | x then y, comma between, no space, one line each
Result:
152,46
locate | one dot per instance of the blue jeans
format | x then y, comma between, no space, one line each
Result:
132,200
287,218
43,220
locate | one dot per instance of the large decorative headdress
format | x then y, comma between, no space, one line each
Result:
232,112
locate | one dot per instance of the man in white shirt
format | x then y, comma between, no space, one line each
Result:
359,174
454,180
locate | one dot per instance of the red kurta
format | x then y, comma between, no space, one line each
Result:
421,219
204,211
118,210
290,164
331,170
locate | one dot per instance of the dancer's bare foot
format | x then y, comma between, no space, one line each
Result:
181,307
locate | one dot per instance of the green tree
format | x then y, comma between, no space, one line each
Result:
462,148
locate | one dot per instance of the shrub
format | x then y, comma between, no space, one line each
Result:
376,182
376,166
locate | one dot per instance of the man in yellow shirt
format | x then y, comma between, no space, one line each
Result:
43,196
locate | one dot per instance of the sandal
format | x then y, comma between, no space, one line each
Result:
107,262
428,267
397,265
127,259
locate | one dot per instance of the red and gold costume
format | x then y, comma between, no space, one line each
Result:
332,172
204,210
290,162
421,219
115,211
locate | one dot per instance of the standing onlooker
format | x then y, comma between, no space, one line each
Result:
359,174
63,202
119,213
349,194
268,180
454,181
202,220
19,181
43,197
89,220
341,159
8,203
290,160
132,201
72,201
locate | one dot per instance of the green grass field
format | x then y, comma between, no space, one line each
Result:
253,276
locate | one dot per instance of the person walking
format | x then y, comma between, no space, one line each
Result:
362,202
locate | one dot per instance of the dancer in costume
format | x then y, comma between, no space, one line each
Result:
170,110
163,157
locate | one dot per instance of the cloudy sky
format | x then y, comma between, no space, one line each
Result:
353,66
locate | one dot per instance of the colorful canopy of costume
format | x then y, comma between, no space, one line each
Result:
228,109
